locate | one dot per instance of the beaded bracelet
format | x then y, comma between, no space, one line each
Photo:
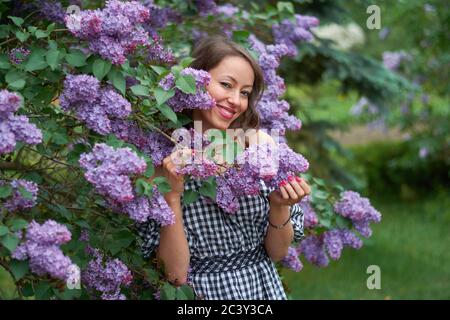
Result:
281,225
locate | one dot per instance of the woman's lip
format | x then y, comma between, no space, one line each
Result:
221,109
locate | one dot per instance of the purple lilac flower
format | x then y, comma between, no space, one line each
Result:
106,277
112,32
228,10
42,249
108,169
359,210
392,59
273,112
141,209
349,239
17,55
93,105
225,197
200,100
206,7
312,248
15,128
16,201
423,152
310,217
160,17
292,260
156,53
290,32
333,243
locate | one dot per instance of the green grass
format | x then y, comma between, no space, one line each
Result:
410,245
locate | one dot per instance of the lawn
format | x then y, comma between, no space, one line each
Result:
410,245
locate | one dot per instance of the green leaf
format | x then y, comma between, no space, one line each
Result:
142,187
42,291
4,62
168,112
163,184
118,80
168,292
19,268
186,62
5,191
40,34
25,193
17,85
185,292
3,230
285,6
240,35
186,83
208,190
35,61
17,21
60,138
140,90
101,68
76,58
162,95
10,242
22,36
190,196
52,58
159,70
18,224
151,275
150,171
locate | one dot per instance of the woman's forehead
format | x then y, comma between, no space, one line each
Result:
236,68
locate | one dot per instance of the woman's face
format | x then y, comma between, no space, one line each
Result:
231,84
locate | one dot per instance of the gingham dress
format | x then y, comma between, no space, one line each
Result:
228,260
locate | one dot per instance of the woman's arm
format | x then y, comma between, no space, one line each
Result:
277,241
173,251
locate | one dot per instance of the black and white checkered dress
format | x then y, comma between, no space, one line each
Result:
228,260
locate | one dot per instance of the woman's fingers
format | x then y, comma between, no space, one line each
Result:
292,194
305,186
296,186
284,193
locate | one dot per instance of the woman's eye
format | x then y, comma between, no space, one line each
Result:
226,85
246,93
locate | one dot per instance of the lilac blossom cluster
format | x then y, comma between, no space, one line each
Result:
92,104
310,216
290,32
180,101
160,17
15,128
152,143
269,162
41,247
316,247
112,32
392,59
16,201
141,208
109,170
156,53
17,55
106,277
359,210
273,112
291,261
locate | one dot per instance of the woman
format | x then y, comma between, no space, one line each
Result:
227,256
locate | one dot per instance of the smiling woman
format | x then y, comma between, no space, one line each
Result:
229,256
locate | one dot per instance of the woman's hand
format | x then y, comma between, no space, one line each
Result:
168,170
291,191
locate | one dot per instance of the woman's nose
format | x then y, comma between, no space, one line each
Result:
234,98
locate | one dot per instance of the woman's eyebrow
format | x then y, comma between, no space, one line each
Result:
248,85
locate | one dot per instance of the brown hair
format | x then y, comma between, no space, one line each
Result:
210,51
